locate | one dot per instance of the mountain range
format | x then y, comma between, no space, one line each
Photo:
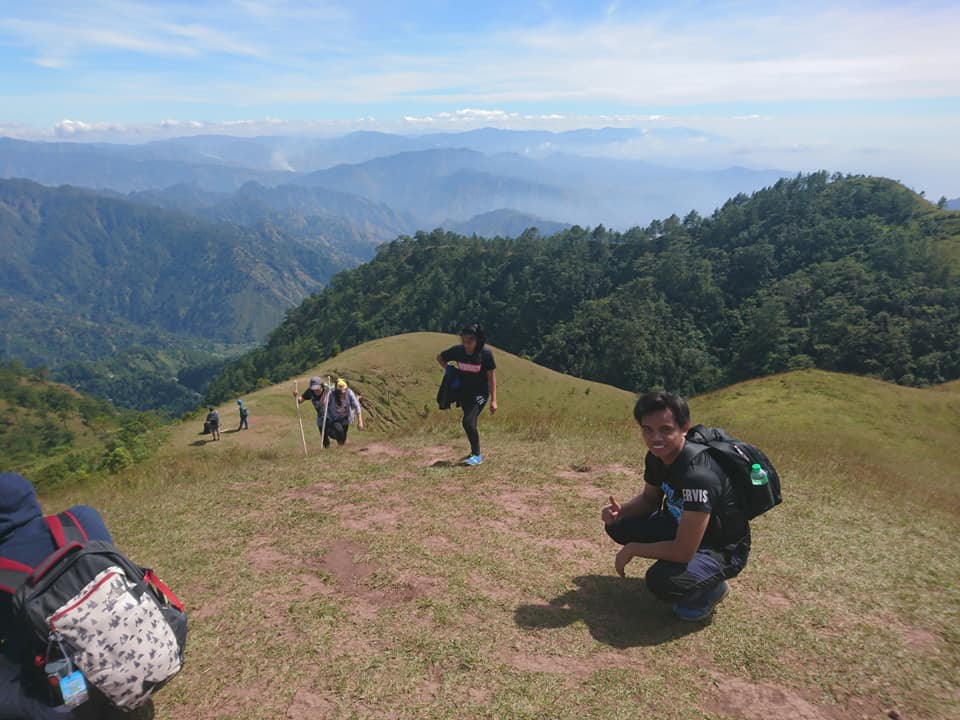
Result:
432,178
156,261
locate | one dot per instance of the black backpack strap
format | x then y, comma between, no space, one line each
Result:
12,575
65,529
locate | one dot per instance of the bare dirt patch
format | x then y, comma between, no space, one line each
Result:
438,543
310,705
317,496
358,518
436,455
210,608
265,559
492,589
381,449
310,585
578,668
517,502
777,600
341,562
273,607
920,640
740,698
431,685
233,699
510,529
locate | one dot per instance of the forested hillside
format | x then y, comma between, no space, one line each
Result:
86,275
346,226
854,274
54,434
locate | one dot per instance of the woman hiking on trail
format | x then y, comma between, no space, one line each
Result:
476,371
342,409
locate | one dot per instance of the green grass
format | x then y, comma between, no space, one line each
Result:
366,583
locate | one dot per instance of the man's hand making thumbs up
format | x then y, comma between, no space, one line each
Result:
611,512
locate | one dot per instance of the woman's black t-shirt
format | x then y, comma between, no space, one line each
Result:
473,369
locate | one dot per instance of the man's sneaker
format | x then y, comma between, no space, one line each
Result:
702,609
473,460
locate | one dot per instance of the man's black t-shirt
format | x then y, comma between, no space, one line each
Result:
473,369
696,482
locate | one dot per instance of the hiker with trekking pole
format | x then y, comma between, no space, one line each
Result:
471,384
337,408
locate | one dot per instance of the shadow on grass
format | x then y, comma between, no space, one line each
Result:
200,443
619,612
450,463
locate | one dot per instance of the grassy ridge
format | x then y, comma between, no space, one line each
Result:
56,435
374,582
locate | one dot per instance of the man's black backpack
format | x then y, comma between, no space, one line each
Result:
737,458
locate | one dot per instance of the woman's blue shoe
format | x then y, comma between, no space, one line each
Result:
702,609
473,460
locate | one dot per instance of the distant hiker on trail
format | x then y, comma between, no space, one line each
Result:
213,422
476,374
244,425
27,541
341,405
688,517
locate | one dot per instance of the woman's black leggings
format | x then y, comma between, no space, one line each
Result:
471,413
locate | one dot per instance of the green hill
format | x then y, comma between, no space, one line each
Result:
56,435
850,274
374,581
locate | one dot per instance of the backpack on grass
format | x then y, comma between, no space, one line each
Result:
737,458
88,609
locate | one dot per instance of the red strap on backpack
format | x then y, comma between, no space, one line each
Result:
12,575
66,532
151,577
65,529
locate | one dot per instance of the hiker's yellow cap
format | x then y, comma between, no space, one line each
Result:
341,384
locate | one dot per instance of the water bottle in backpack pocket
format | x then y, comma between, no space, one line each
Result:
754,478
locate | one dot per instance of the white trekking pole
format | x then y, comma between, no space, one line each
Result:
326,406
296,398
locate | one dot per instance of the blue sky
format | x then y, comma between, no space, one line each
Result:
867,87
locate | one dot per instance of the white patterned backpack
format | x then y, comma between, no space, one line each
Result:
97,620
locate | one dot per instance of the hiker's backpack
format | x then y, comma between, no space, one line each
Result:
736,458
88,608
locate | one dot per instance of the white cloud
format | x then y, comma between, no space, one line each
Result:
51,63
71,128
60,37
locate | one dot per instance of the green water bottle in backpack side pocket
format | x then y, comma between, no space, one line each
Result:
758,476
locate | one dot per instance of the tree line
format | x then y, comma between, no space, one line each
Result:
846,273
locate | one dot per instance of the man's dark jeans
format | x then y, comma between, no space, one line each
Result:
678,582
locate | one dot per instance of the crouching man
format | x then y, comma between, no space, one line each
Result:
687,517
